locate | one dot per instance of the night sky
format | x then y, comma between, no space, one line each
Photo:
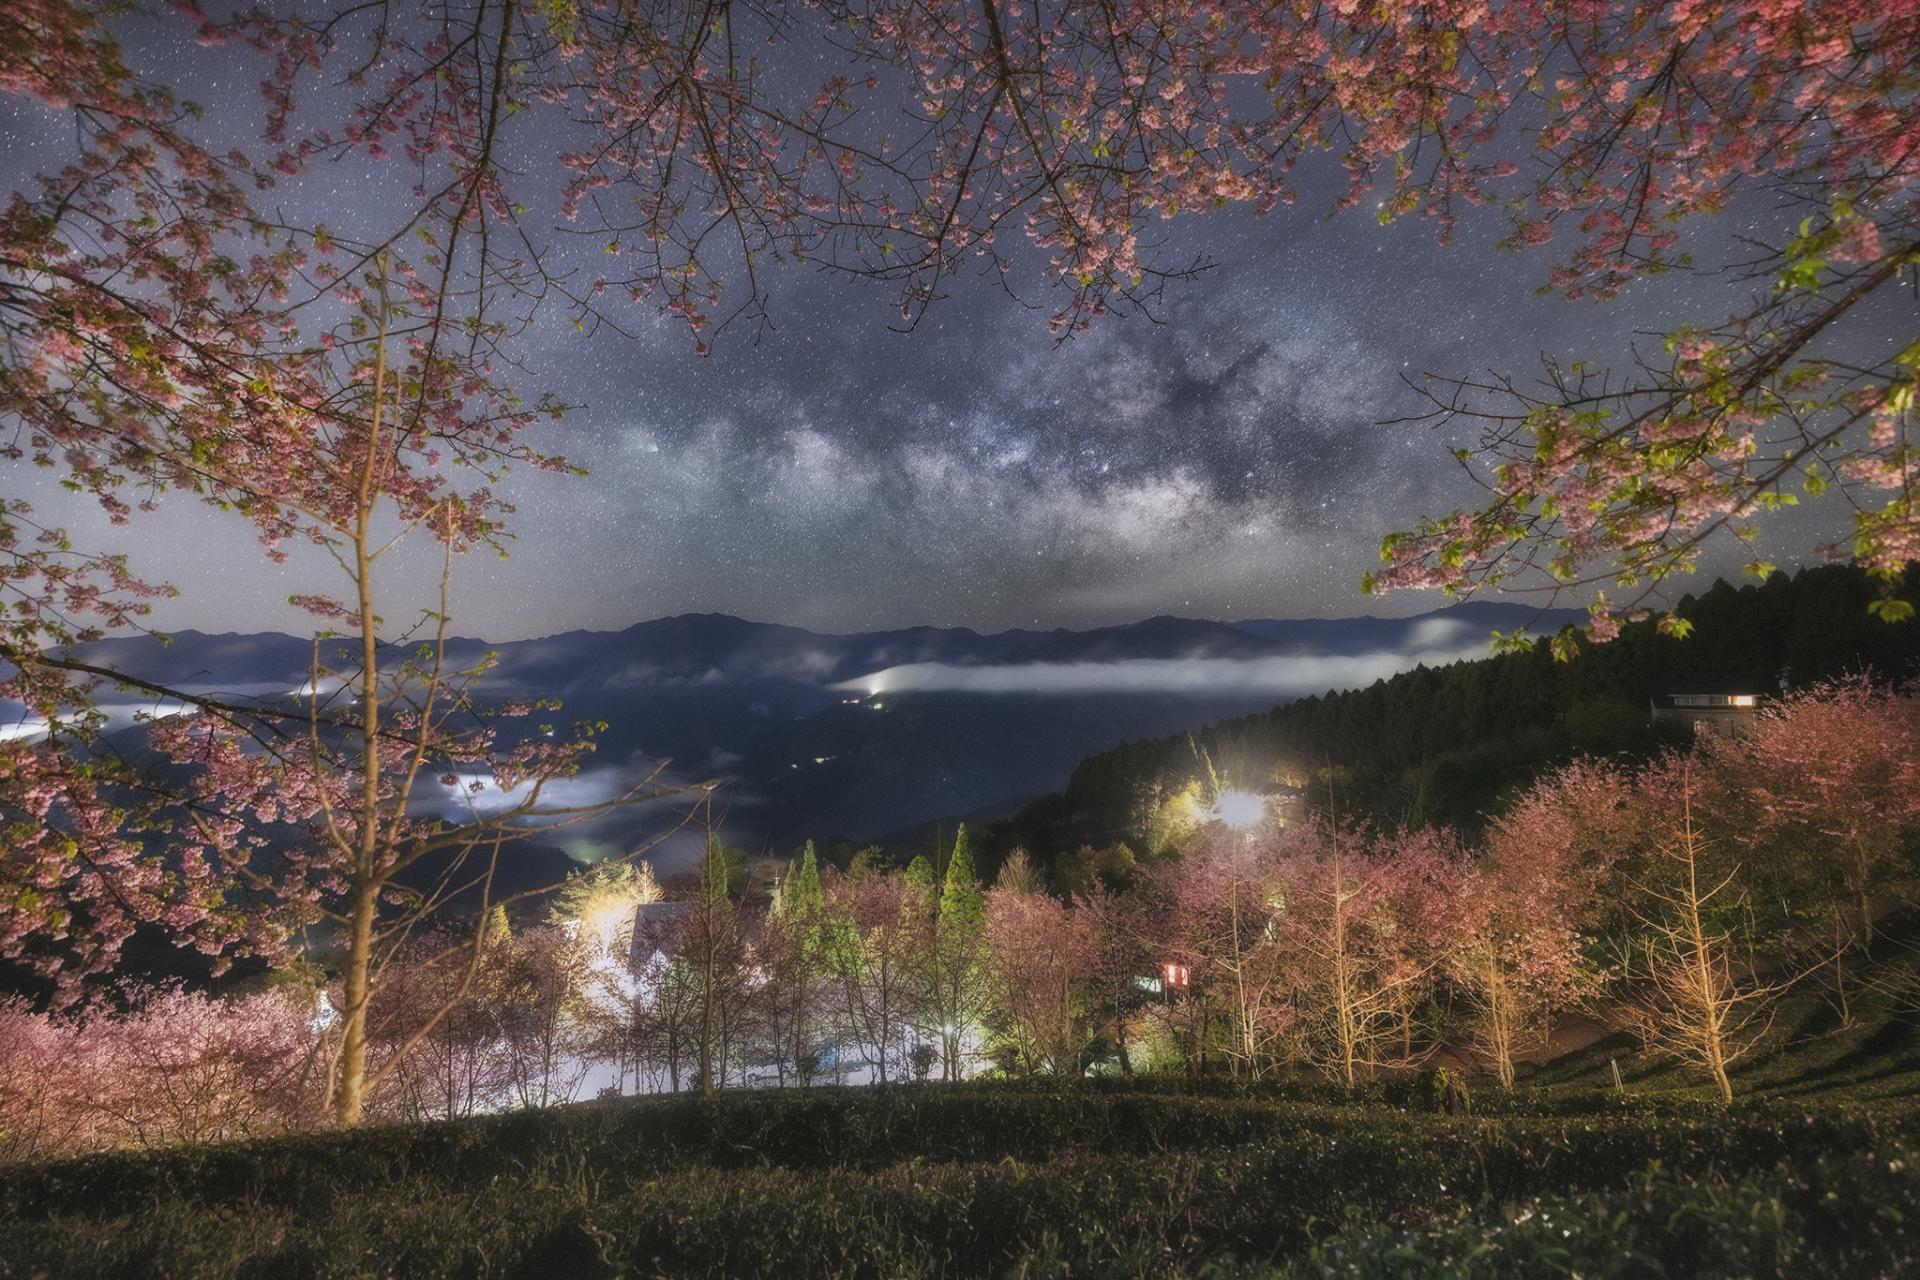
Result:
833,473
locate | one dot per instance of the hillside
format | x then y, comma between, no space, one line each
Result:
1814,1176
1442,743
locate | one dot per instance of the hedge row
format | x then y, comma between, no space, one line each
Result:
572,1207
859,1129
1839,1217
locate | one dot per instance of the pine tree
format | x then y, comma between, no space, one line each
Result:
956,953
1018,875
797,950
920,895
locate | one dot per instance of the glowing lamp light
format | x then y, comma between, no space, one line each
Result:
1239,809
606,921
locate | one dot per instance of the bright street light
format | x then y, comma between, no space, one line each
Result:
1239,809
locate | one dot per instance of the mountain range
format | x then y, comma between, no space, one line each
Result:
855,735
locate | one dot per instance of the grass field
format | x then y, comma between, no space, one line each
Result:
1815,1173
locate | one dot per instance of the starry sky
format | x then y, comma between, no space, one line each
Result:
1225,458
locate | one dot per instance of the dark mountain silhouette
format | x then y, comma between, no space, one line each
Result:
771,707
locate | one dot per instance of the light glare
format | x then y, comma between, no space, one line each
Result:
1239,808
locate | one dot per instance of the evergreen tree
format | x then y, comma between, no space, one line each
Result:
498,930
956,953
920,896
1018,875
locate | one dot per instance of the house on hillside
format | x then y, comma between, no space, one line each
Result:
1708,706
1286,805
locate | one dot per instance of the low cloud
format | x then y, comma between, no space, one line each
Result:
1278,677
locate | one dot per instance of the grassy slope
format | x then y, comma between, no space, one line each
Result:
1808,1054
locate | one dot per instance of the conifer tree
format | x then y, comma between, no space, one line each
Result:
958,931
920,892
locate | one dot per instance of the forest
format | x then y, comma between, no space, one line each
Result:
1445,745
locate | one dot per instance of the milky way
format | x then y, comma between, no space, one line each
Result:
1222,458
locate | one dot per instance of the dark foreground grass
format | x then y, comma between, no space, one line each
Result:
1006,1180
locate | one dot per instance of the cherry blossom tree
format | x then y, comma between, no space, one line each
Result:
1041,956
539,990
169,1066
875,926
1363,919
183,1067
1224,909
329,387
1832,774
42,1099
1516,941
711,947
1702,987
1118,924
434,1044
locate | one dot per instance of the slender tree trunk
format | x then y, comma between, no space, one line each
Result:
366,889
706,1027
1500,1026
1243,1014
1343,1010
1712,1045
353,1030
1845,1006
1863,902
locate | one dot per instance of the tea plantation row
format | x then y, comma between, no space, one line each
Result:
999,1180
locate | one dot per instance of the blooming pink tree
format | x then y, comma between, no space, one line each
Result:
43,1101
1516,942
1364,922
164,332
1225,903
1119,924
1041,959
172,1067
1831,777
1693,960
875,929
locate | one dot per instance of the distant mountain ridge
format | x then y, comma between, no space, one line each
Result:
693,646
778,710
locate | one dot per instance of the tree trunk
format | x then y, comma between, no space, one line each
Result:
1500,1028
1863,901
1713,1049
351,1085
706,1031
366,887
